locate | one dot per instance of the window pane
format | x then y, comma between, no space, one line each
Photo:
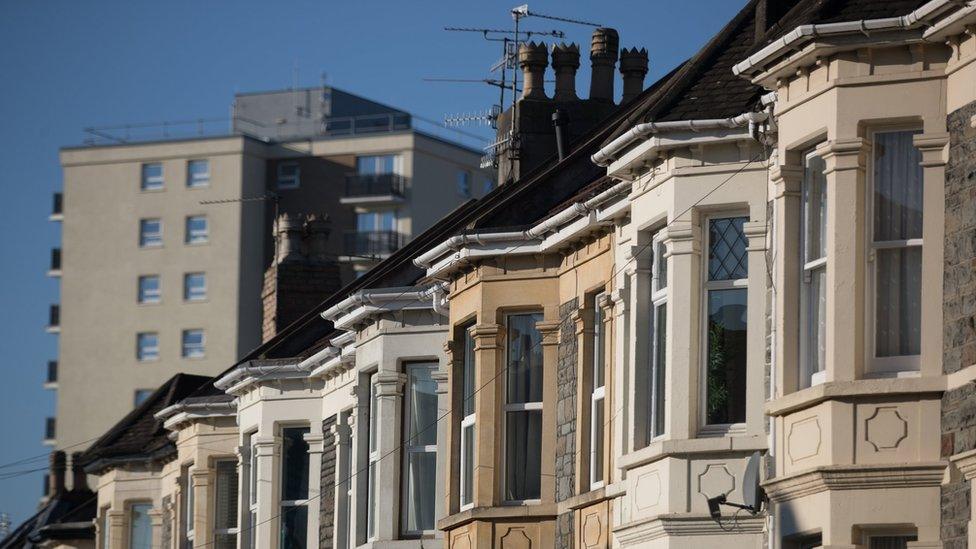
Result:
524,359
467,465
147,346
141,395
106,537
371,501
373,412
660,353
890,542
897,187
421,479
660,266
726,389
140,527
468,373
814,209
422,405
813,347
152,177
198,173
225,512
599,342
523,455
196,229
225,541
898,302
193,344
727,257
149,289
195,286
294,527
596,442
150,232
294,464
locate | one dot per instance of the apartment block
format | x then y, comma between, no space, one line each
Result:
168,240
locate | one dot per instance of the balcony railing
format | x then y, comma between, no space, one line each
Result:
54,317
49,428
57,209
375,184
372,243
55,259
52,371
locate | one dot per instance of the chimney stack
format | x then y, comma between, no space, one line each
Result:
633,67
317,227
533,59
603,57
56,476
565,62
288,237
79,479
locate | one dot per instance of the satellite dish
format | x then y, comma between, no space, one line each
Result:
753,495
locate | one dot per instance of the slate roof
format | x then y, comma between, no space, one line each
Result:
813,12
139,436
67,516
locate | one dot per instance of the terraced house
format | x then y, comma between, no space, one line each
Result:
737,310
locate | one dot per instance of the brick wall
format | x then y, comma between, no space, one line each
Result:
959,315
566,421
327,486
293,288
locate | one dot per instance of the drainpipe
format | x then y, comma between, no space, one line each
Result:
559,121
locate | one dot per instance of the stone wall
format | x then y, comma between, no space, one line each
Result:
566,420
327,499
959,315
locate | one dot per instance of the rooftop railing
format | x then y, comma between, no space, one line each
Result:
375,184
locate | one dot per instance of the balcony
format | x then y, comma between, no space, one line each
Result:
49,431
57,211
54,270
366,245
384,188
54,320
51,381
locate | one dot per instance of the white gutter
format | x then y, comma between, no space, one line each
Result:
172,416
609,153
242,372
319,357
954,24
537,232
794,39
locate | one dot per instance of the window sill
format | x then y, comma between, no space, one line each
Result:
149,303
811,396
150,246
722,430
195,301
201,243
152,191
660,449
542,511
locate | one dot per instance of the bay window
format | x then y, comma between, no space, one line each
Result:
252,490
467,389
813,275
895,252
597,394
188,511
726,292
294,488
420,449
225,505
523,409
659,327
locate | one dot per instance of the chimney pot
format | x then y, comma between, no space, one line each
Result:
79,479
565,62
289,237
533,59
603,58
633,67
56,475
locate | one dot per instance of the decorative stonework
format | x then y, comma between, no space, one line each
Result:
715,480
647,491
591,530
885,429
516,538
855,477
803,440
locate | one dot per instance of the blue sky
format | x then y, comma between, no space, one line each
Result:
65,65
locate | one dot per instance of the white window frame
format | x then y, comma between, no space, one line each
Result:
153,183
809,269
659,299
344,535
410,448
188,352
597,394
152,352
288,181
145,235
515,407
188,501
188,294
151,297
373,449
468,421
224,531
197,181
194,237
251,519
892,366
708,286
292,503
106,536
